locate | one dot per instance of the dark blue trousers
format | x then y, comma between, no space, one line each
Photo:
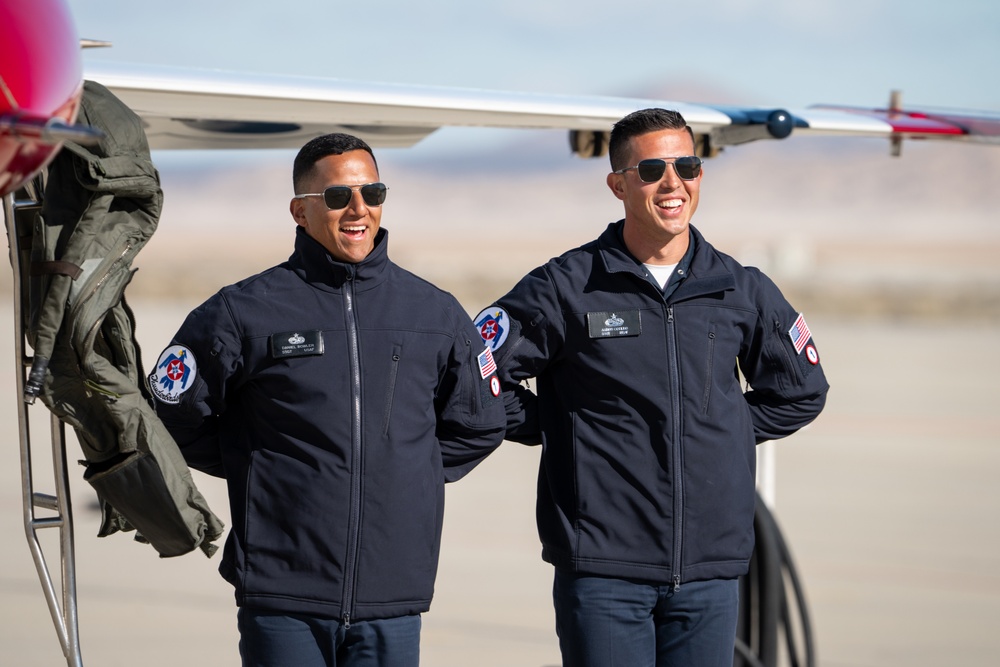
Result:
291,640
607,622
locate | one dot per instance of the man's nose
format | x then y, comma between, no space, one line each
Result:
670,179
357,202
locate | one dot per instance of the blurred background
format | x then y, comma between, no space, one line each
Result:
888,501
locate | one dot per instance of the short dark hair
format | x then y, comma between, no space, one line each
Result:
316,149
641,122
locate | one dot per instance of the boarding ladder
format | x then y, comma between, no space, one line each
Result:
20,210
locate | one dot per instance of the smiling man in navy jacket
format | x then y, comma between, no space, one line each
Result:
637,341
336,393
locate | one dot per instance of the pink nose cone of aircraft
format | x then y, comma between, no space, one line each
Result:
41,82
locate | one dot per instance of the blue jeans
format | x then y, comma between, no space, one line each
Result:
606,622
292,640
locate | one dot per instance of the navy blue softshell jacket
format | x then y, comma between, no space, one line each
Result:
648,460
335,457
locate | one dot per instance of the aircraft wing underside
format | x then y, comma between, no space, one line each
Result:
189,108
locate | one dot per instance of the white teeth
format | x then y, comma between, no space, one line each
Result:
670,203
354,229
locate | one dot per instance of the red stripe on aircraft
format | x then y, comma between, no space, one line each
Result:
944,122
906,122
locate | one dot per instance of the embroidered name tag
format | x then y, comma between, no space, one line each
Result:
611,324
296,344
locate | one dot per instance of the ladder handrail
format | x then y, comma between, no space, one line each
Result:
64,611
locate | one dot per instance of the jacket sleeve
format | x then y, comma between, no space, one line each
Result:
470,420
788,386
210,343
533,338
521,410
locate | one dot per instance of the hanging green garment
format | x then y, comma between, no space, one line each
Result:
101,206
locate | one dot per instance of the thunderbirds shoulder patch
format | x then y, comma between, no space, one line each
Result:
493,325
174,374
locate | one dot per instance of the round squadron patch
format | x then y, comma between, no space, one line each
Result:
493,324
174,374
812,355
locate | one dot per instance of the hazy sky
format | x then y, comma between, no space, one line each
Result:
788,53
782,52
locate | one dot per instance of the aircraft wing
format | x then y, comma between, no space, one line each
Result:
191,108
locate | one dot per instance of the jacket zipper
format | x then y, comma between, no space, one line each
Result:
709,366
354,525
789,366
93,290
678,476
390,395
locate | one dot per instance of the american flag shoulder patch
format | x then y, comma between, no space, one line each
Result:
799,334
487,366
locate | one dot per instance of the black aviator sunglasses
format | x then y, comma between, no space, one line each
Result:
339,196
688,168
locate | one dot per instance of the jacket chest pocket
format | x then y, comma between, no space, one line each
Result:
709,367
390,391
709,346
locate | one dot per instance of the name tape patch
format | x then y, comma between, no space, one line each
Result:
613,324
296,344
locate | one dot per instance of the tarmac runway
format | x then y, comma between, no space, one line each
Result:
889,503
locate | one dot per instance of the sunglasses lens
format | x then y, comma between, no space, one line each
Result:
374,193
337,197
651,171
688,168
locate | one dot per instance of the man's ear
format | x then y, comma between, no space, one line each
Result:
297,208
617,184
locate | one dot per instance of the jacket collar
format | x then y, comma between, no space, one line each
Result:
706,274
317,267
